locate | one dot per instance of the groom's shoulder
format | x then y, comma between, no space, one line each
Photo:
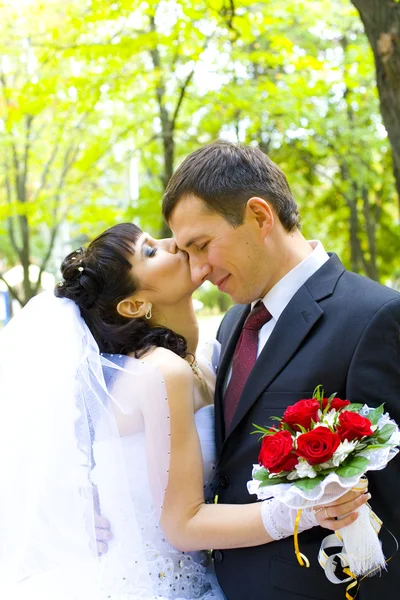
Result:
333,278
367,288
364,298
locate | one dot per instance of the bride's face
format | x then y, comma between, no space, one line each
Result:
162,271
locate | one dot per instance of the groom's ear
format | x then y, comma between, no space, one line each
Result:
259,212
132,309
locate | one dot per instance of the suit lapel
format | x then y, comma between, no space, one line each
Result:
293,326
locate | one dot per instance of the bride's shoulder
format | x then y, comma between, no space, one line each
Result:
168,363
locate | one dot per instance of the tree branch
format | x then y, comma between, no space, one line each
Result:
10,222
29,121
181,97
13,293
45,172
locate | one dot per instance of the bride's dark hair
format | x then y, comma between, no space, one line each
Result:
97,278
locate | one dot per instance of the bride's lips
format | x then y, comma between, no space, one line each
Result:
221,284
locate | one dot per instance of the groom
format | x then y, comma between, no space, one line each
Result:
231,209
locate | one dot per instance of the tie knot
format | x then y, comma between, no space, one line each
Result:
258,317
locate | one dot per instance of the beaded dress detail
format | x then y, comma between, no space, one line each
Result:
174,574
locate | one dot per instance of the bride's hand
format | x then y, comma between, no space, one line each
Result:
341,512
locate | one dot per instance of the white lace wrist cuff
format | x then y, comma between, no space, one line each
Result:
279,520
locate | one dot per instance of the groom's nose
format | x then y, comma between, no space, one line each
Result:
199,269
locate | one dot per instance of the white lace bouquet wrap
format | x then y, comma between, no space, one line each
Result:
321,449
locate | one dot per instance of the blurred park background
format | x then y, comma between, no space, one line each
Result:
100,100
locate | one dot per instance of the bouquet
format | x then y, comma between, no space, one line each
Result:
320,449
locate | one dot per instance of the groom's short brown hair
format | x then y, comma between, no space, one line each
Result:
225,176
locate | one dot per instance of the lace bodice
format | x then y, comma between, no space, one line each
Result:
174,574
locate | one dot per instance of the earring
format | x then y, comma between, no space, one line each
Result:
148,313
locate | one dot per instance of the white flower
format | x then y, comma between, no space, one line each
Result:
320,424
329,418
342,452
304,469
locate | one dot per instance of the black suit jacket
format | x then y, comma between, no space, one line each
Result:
340,330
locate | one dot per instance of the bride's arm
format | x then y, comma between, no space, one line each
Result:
188,522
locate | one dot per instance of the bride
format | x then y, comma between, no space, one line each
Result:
107,416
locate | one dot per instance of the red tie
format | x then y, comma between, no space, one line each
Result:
244,359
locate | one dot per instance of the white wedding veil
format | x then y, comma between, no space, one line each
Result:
65,413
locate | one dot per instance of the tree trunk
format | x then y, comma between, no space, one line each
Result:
370,227
381,19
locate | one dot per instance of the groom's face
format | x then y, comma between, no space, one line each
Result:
230,257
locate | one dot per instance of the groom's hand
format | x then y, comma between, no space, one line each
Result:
341,512
103,533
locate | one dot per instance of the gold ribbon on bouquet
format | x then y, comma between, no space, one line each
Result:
323,558
302,559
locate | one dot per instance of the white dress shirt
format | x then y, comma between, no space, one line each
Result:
280,295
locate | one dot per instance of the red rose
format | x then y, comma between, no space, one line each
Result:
318,445
277,453
353,426
336,403
302,413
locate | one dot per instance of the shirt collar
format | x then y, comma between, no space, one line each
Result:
283,291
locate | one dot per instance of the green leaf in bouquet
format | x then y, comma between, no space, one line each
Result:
273,481
352,466
328,404
286,427
263,430
376,446
318,393
363,445
375,414
309,483
261,474
354,407
383,435
259,429
302,429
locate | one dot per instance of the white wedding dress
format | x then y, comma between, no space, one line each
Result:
174,574
66,458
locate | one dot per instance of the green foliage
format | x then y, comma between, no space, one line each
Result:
375,414
211,297
309,483
354,465
96,95
383,435
354,407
